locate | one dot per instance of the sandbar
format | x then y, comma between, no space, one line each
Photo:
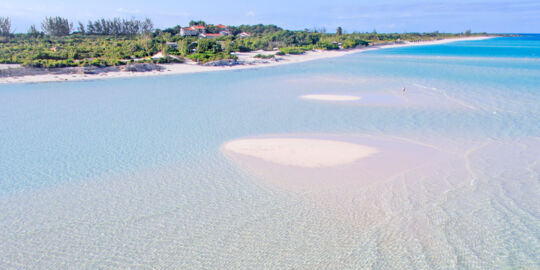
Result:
301,152
328,163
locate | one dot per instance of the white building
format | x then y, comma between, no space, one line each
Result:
192,30
188,31
244,34
201,29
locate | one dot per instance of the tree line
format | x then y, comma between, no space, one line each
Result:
58,26
117,26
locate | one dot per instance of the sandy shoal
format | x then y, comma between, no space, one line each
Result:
301,152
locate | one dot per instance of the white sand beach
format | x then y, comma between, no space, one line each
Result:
301,152
331,97
248,60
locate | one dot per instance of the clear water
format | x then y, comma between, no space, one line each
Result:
129,172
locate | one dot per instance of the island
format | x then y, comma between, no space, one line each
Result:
110,48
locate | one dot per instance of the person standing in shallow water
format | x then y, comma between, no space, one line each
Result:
403,91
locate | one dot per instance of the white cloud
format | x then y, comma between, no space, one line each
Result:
250,13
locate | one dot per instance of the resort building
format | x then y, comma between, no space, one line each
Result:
224,30
192,30
222,27
225,33
201,29
188,31
244,34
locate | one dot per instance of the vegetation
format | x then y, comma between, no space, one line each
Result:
33,32
5,26
56,26
293,50
117,27
264,56
110,42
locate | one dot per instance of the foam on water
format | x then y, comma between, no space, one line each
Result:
130,173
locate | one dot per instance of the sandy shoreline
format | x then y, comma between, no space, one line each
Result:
247,58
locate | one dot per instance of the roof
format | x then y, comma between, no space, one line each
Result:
212,35
221,26
188,28
157,55
198,27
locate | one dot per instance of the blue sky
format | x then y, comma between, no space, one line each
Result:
385,15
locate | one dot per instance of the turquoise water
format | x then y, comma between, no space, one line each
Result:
129,172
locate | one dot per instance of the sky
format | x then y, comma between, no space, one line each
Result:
388,16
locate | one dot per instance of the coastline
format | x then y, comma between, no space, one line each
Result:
247,61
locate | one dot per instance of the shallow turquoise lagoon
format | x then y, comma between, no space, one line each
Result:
130,172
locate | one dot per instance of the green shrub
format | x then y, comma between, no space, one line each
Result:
326,45
292,50
264,56
209,56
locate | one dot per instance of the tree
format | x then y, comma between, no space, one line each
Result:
56,26
339,31
203,45
145,42
5,26
117,26
183,47
81,28
147,26
468,32
192,23
208,45
173,31
165,50
32,31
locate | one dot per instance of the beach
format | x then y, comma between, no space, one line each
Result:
247,61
